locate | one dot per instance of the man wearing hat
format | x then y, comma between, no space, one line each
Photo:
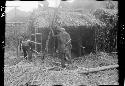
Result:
27,49
64,45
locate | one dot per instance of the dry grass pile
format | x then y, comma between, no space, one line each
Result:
96,60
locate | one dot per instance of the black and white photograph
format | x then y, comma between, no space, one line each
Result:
61,43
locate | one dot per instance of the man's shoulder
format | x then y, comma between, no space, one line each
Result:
25,42
64,32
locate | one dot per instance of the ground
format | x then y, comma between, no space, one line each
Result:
19,72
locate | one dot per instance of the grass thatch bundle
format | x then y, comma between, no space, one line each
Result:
44,18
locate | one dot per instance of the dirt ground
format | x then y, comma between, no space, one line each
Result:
19,72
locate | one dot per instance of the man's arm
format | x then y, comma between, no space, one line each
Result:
56,35
30,45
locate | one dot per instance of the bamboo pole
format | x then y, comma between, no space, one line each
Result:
52,27
116,42
35,41
41,32
54,6
41,42
47,43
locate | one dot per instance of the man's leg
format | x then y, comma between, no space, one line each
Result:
63,62
25,52
29,54
63,59
68,55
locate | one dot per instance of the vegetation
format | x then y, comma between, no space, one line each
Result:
103,21
107,35
16,26
37,73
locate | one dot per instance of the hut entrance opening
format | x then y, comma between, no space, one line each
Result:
82,40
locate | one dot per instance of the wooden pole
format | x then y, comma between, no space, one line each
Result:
54,23
52,28
41,42
18,51
89,70
35,38
116,42
96,40
54,7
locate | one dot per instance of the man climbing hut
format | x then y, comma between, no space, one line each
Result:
64,46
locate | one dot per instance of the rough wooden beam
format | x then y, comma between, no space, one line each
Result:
89,70
81,70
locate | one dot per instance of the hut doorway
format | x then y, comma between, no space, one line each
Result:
82,40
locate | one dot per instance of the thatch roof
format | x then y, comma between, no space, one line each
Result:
45,18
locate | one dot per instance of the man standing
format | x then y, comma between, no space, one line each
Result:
27,49
64,46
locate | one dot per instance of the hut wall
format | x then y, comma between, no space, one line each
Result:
81,36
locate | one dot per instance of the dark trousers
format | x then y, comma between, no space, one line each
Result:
27,53
62,57
65,57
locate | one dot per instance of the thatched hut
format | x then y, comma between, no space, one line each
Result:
81,27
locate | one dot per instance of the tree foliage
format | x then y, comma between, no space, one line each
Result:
13,33
106,36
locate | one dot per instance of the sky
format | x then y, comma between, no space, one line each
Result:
30,5
53,3
23,5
